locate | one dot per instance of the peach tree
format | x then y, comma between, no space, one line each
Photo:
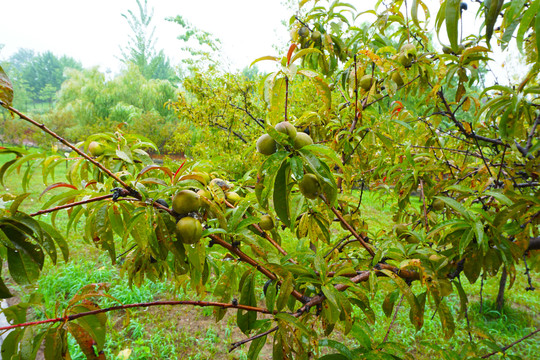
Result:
459,160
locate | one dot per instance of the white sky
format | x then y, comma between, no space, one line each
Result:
93,31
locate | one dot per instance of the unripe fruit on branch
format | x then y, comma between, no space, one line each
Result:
409,50
396,77
233,197
366,82
405,60
189,230
287,128
437,204
303,31
302,139
316,35
95,148
266,223
186,201
266,145
309,186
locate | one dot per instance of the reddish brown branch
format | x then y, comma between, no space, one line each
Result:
503,349
247,259
109,173
249,339
129,306
273,242
73,204
353,231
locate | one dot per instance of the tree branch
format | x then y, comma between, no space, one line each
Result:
137,305
45,129
503,349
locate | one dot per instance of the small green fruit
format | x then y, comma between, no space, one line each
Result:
302,139
409,50
396,77
266,223
189,230
232,197
309,186
366,82
316,36
405,60
303,31
266,145
286,127
205,193
95,149
186,201
437,204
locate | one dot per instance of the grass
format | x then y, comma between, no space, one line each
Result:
186,332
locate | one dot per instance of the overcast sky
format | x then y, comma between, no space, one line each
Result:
93,31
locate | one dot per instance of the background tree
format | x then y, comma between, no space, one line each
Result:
141,48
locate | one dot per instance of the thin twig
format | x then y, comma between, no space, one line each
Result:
137,305
242,342
73,204
247,259
132,192
353,231
503,349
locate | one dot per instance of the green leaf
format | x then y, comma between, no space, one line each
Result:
319,149
268,57
281,194
246,319
303,52
94,325
284,292
22,267
452,18
389,301
257,344
455,205
493,8
463,299
6,88
58,238
343,350
473,266
447,320
466,238
417,317
85,340
296,323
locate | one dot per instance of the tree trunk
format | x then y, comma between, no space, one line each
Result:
502,285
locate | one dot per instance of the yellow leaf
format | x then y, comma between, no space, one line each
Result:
467,126
467,104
